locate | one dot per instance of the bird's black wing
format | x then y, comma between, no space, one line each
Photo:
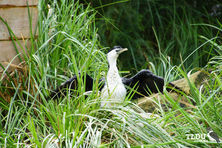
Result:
146,83
73,83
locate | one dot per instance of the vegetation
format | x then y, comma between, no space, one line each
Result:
154,29
69,41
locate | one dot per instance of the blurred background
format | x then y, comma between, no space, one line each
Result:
157,30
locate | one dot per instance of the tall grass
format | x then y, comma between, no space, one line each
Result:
68,43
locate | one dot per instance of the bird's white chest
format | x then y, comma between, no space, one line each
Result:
114,90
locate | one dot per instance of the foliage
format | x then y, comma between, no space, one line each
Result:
155,29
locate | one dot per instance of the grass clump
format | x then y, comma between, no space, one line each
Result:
67,44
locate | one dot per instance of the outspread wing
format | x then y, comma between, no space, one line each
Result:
146,83
73,83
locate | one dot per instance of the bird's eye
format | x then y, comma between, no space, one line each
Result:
117,50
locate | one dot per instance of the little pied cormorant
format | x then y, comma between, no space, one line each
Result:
143,83
114,90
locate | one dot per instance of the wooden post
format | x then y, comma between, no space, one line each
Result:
15,13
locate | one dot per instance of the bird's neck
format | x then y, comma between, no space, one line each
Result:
113,73
112,66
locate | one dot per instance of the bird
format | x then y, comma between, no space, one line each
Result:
212,135
114,90
144,83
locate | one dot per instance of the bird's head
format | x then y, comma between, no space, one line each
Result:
114,53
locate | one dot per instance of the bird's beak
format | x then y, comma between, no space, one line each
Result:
122,50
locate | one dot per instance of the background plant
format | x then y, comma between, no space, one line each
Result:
156,29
